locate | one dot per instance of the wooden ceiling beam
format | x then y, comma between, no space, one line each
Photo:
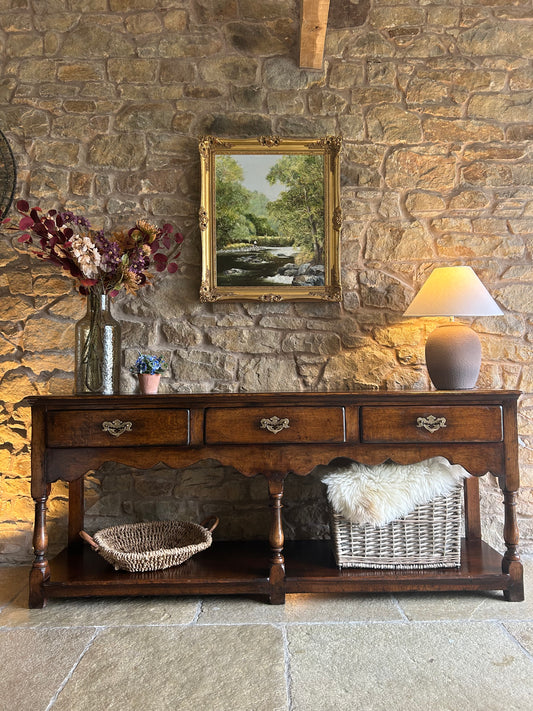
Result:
313,25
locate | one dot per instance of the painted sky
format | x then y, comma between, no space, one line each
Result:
255,169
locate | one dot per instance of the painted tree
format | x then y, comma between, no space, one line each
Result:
259,216
299,210
232,203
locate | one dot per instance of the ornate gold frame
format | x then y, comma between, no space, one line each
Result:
329,147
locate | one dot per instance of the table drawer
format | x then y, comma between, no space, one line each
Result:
432,424
117,428
274,425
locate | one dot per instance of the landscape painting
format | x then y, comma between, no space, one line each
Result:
270,219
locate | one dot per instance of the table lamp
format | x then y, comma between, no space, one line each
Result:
453,350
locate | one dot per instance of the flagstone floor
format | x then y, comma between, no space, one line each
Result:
412,652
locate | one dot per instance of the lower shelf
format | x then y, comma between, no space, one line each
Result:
242,567
311,568
225,567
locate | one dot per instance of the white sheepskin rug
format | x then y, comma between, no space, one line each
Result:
382,493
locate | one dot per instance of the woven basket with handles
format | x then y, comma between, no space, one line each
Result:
153,545
429,537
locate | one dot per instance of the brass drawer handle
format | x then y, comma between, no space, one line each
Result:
431,423
117,427
275,424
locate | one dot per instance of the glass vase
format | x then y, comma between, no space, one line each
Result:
97,348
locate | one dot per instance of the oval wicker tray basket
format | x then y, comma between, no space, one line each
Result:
155,545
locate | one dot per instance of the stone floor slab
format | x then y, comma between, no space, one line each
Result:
35,663
101,612
325,607
299,608
444,666
222,668
523,633
483,605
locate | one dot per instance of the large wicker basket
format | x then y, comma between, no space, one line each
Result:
429,537
154,545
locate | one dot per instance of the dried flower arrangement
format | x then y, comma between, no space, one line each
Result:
96,261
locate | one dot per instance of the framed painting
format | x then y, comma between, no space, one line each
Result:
270,219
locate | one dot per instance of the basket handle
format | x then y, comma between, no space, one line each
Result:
90,540
215,521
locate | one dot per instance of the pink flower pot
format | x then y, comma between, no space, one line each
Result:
149,383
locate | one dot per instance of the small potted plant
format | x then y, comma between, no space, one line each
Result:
148,370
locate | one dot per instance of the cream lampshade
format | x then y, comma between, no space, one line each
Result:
453,351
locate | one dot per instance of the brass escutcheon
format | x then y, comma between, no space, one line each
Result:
117,427
431,423
275,424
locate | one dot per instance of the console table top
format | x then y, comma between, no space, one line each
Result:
289,397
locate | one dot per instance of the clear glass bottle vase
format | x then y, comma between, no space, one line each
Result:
97,348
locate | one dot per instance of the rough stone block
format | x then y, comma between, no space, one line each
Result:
122,151
91,40
237,70
393,124
416,168
261,39
143,23
198,45
324,344
496,37
250,341
368,44
132,70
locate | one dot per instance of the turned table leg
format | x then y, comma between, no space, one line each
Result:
510,485
511,560
40,570
276,538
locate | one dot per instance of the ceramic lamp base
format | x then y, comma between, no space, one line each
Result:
453,357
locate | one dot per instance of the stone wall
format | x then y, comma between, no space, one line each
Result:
103,102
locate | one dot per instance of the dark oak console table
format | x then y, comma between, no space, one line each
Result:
272,434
